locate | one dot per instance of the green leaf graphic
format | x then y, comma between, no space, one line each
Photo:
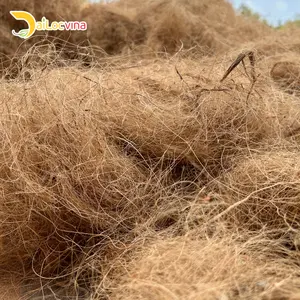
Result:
22,33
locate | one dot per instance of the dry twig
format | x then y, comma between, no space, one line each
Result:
237,61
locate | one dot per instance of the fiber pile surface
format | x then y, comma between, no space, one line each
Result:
129,170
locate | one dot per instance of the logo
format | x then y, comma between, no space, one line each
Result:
43,25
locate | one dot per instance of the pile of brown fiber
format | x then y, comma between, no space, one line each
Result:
147,176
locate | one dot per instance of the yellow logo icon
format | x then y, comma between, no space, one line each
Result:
29,19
